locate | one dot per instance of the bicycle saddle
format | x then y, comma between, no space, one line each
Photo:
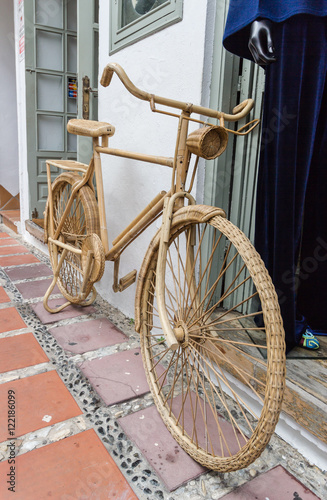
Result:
90,128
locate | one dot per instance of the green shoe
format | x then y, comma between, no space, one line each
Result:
308,340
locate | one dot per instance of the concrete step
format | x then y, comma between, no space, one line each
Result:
11,219
35,228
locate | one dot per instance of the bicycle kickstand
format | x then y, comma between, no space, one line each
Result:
51,287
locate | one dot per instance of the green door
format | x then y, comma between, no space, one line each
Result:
56,61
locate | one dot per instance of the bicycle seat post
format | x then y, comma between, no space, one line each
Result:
100,191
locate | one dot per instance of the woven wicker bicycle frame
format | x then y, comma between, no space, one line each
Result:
194,355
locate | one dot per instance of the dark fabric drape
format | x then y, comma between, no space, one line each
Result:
291,216
242,13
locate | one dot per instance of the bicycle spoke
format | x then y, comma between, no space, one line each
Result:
237,369
223,379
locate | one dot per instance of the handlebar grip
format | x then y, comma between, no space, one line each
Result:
243,108
106,77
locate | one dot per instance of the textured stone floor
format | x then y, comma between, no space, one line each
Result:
82,432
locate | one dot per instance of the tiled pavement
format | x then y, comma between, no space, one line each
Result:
85,423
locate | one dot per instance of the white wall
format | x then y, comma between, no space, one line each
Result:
21,112
8,116
168,63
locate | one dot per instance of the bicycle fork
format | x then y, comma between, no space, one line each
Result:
176,335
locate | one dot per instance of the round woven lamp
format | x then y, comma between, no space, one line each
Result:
208,142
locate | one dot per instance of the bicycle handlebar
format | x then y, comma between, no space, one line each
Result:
239,111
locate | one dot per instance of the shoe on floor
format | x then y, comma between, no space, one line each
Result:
308,340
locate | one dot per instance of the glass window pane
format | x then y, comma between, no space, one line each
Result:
49,93
72,54
49,13
134,9
49,50
50,133
71,140
72,15
71,105
96,11
95,58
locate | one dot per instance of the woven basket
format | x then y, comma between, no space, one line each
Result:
208,142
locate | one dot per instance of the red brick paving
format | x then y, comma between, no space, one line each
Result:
37,398
17,260
13,250
8,241
3,296
10,320
4,235
20,351
78,467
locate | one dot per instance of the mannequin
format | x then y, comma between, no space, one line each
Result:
261,43
289,39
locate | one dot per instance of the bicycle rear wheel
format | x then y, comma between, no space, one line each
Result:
81,221
219,396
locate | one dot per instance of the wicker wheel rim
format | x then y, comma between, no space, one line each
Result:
275,362
83,220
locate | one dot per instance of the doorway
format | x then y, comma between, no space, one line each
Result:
61,49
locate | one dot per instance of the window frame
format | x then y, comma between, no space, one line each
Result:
170,12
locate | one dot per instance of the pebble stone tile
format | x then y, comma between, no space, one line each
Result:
34,271
88,335
69,312
275,484
147,430
36,288
144,480
118,377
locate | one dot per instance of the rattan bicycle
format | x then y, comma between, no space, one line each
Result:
197,291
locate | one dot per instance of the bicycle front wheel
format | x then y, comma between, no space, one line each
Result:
81,221
219,395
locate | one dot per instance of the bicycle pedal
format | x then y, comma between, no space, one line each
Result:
127,280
